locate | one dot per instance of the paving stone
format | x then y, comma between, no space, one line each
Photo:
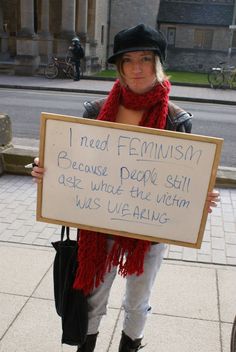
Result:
227,294
226,200
217,231
230,237
176,248
205,258
2,206
229,227
46,233
22,268
21,216
175,255
30,237
3,226
27,215
39,226
218,243
208,225
231,250
231,261
10,306
226,336
40,242
17,224
217,211
218,256
207,236
228,217
205,248
227,208
6,235
174,296
189,254
217,221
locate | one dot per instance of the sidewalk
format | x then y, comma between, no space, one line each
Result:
193,299
178,92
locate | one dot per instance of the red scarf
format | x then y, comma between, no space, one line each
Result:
126,253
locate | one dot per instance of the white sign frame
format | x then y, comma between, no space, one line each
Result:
126,180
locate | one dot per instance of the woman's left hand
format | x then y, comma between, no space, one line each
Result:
212,199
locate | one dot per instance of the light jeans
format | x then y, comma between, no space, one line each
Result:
136,299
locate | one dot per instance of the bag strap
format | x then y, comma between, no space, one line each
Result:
63,228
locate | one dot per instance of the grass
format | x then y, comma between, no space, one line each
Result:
175,76
187,77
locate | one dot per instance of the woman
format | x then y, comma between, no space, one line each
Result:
138,97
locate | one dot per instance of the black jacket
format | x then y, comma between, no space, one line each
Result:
177,120
77,52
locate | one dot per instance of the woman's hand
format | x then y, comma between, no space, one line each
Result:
212,199
37,172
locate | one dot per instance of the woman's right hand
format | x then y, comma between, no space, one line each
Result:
37,172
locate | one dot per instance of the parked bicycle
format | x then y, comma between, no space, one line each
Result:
57,67
222,76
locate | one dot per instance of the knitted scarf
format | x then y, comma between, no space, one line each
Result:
126,253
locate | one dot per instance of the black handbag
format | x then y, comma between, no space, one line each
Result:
233,337
71,305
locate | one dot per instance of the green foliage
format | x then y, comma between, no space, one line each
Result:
174,76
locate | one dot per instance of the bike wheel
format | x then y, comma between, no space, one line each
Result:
71,71
51,71
215,79
232,80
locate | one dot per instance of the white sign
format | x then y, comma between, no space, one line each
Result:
126,180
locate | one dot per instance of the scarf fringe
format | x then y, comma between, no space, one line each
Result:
126,254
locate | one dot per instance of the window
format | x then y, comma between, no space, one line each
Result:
102,35
171,36
203,39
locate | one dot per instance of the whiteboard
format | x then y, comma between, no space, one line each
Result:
126,180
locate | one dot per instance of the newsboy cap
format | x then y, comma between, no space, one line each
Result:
139,38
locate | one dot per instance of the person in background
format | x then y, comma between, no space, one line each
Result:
140,96
77,53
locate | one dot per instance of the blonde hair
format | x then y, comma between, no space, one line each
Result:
160,74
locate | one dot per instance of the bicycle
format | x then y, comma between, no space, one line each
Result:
222,76
58,67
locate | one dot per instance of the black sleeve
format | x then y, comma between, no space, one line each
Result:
92,108
182,122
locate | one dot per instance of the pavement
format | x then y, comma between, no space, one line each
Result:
194,297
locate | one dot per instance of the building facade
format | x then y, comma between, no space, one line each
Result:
198,33
31,31
124,14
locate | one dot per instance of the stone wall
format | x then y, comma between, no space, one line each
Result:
126,14
185,36
194,60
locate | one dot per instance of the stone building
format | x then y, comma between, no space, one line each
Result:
198,33
31,31
124,14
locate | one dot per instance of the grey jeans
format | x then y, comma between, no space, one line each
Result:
136,299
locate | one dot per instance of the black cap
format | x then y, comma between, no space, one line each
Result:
139,38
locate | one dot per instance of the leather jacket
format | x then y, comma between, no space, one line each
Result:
177,120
